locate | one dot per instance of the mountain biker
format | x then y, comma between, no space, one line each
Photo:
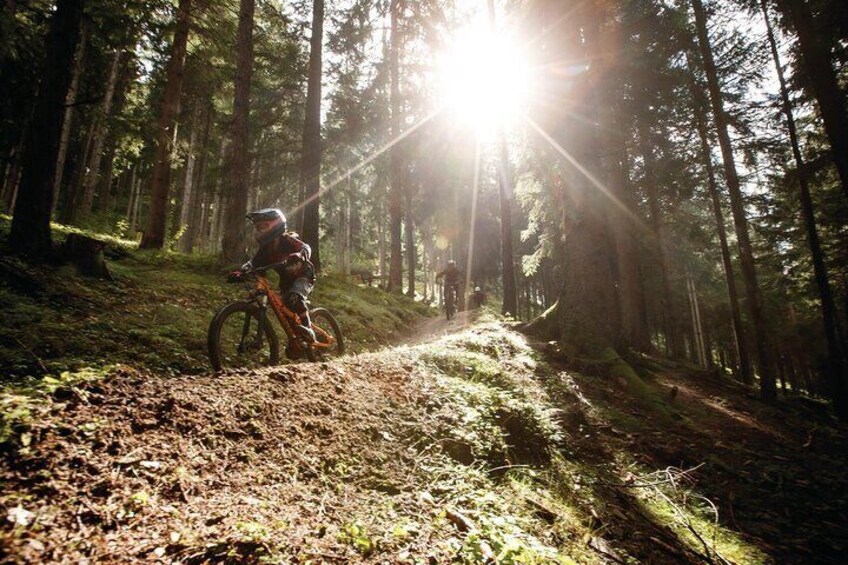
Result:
291,256
452,275
478,298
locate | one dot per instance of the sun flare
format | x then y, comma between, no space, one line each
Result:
485,79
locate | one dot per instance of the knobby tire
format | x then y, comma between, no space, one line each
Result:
244,313
322,318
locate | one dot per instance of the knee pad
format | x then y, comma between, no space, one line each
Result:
295,302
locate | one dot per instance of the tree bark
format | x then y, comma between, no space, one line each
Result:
198,199
154,233
818,65
836,357
699,106
510,292
670,326
410,243
70,98
310,173
239,173
631,293
396,164
92,172
586,313
188,181
767,384
30,231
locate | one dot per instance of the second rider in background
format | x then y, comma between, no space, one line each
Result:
453,279
290,255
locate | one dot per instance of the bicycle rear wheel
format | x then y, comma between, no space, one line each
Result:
328,334
239,339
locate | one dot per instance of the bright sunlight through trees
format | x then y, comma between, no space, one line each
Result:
485,79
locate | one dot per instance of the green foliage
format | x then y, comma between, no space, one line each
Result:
157,312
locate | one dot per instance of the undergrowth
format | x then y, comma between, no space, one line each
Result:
155,314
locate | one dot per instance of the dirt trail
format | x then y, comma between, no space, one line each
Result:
434,328
437,451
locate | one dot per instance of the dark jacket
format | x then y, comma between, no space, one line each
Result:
287,246
453,276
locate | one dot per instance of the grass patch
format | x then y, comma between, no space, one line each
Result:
156,313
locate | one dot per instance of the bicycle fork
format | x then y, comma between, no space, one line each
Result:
245,344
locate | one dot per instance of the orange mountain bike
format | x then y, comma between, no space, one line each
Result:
241,334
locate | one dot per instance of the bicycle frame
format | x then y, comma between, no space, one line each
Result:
284,315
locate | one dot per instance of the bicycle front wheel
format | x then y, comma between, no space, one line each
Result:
239,338
329,341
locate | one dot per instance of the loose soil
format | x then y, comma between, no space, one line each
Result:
349,462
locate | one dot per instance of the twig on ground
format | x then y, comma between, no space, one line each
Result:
31,352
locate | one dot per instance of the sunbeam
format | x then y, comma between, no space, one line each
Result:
585,172
347,174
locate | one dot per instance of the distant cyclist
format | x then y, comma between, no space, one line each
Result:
290,255
452,275
453,281
478,297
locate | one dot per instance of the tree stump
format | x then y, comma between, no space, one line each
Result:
87,254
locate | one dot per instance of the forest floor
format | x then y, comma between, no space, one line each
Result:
471,444
465,442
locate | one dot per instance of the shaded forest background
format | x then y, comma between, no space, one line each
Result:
677,184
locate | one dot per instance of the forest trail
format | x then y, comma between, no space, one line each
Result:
433,328
470,446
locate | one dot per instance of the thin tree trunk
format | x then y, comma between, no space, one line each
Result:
154,233
30,231
836,357
136,210
70,98
818,64
199,193
101,130
745,371
239,173
188,184
381,234
133,177
311,160
395,158
749,273
510,300
634,323
667,307
410,244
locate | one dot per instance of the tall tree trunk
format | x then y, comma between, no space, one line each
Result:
670,327
510,298
749,273
154,233
92,173
818,65
239,173
836,357
188,181
587,316
410,243
30,231
396,164
310,173
70,99
198,200
631,293
700,111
